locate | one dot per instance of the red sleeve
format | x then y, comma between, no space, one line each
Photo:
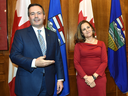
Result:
104,60
77,61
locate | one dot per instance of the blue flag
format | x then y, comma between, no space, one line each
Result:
117,59
55,23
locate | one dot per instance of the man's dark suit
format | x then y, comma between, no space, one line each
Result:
24,49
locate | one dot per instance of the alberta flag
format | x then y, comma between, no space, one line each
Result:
117,59
55,23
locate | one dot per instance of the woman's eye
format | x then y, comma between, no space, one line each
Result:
88,27
84,29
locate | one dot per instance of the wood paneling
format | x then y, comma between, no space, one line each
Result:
101,12
4,90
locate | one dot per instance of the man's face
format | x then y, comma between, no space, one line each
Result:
36,16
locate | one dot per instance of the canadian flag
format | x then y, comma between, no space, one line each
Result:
86,12
21,21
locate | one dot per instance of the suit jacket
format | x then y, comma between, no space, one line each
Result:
24,49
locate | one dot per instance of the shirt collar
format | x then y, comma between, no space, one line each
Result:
42,32
35,29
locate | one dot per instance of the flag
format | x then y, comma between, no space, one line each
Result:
55,23
20,21
86,12
117,59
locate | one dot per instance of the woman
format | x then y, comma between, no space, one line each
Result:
90,60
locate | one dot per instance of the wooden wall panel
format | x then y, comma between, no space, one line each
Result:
4,90
110,87
101,12
73,21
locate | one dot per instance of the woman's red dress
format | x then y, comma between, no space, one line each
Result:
89,59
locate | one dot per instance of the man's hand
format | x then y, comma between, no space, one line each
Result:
41,62
59,86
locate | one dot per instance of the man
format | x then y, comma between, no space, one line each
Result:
37,63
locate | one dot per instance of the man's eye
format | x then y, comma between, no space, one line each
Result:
38,13
32,13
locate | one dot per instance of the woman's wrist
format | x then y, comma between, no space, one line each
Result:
94,77
85,77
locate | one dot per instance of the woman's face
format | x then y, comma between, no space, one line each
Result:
86,30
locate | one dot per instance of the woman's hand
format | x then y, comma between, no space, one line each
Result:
89,80
93,84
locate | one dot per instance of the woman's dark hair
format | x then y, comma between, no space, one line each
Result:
79,37
31,5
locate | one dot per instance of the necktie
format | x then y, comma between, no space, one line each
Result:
41,42
42,46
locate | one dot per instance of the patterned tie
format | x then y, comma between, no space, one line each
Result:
41,42
42,46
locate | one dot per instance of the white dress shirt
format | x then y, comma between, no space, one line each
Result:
43,34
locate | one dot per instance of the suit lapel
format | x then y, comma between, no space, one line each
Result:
48,39
34,39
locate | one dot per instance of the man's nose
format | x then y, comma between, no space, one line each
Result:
36,14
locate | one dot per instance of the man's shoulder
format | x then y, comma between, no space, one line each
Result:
24,30
49,31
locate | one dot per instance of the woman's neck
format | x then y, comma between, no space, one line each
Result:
91,40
